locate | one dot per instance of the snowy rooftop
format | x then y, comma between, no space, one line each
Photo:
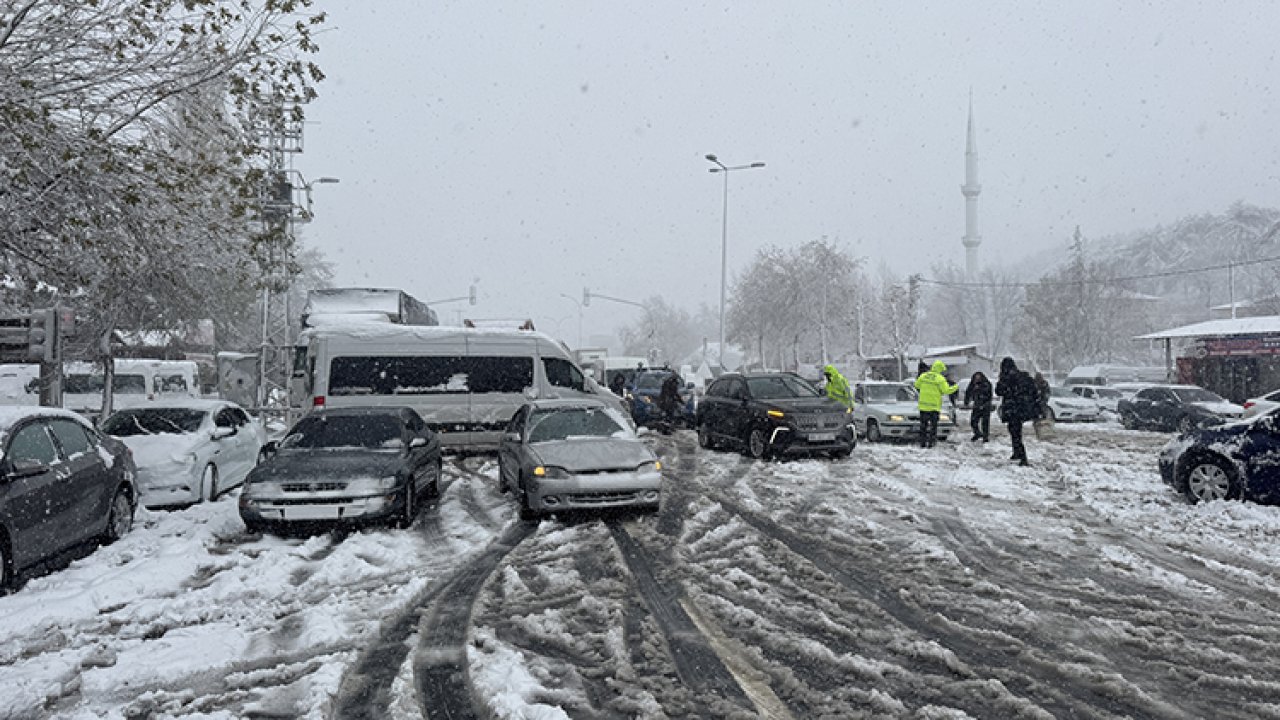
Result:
1263,325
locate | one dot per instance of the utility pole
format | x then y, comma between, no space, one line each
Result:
281,134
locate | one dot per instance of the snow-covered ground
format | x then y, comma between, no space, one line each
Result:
898,583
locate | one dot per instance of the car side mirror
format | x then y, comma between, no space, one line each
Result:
511,437
417,442
24,468
270,448
223,432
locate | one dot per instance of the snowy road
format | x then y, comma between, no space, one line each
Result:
898,583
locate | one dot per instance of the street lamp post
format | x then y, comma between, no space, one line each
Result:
724,239
575,301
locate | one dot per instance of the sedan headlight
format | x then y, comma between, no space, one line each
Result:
551,472
387,483
897,418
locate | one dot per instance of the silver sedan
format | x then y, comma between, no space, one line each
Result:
559,455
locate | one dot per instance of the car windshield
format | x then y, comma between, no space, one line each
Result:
374,432
779,387
1197,395
887,393
153,421
1061,392
563,423
650,381
1109,393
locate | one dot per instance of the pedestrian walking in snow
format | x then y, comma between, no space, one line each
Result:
932,385
1020,402
978,396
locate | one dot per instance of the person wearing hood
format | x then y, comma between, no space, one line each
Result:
837,387
932,385
978,395
1021,402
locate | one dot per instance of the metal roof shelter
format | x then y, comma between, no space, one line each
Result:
1261,325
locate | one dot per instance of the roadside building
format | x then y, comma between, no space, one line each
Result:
1236,358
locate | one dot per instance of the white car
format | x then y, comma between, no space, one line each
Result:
188,451
883,410
1106,397
1262,405
1066,406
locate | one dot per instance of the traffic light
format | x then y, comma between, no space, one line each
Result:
42,336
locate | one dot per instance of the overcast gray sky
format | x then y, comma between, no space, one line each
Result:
543,147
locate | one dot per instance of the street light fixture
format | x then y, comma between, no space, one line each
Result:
724,238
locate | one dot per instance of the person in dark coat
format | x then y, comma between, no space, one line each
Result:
1020,402
978,395
619,384
669,400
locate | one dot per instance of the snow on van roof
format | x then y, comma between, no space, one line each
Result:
361,328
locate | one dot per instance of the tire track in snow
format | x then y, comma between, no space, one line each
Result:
697,663
440,665
1057,692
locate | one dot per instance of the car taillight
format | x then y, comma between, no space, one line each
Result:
1248,404
317,401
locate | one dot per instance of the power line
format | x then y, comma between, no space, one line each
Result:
1104,281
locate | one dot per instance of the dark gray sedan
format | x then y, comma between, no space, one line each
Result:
345,466
559,455
62,483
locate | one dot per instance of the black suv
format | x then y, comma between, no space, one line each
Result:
769,414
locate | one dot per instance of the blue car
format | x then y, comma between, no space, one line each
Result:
643,396
1236,461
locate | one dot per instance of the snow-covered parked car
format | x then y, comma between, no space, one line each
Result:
883,410
188,450
1235,461
62,483
1066,406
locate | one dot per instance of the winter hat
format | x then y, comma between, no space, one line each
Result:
1007,364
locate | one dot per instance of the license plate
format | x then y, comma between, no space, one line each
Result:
822,437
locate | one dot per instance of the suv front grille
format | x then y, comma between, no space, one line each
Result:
826,421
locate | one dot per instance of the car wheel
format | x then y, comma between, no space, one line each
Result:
757,447
502,477
410,504
1211,478
841,453
209,483
1128,421
526,512
120,517
1186,424
704,437
873,431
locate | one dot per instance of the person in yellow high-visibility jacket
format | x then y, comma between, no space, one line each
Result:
837,387
932,386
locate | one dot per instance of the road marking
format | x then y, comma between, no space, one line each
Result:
752,681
